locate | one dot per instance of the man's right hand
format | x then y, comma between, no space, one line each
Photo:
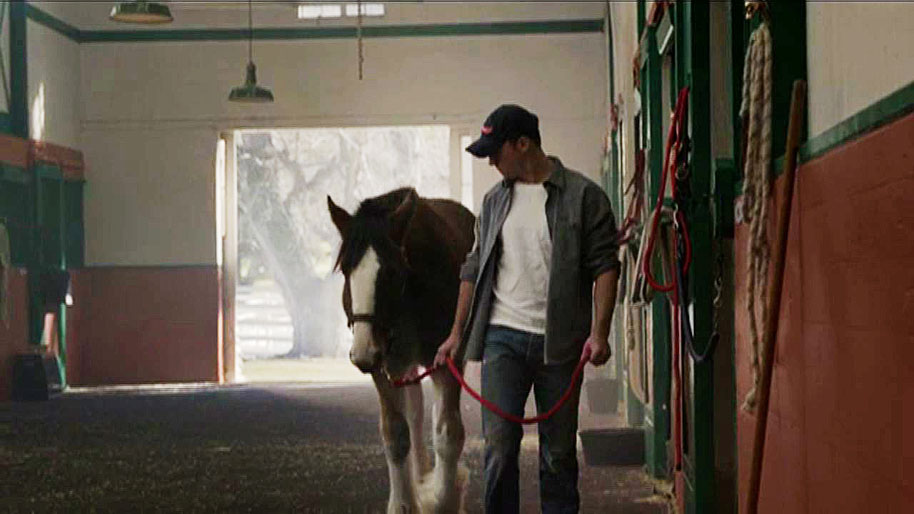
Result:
447,349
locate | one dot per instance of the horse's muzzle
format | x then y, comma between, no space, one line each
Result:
366,361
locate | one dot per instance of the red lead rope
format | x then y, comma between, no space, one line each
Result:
585,356
672,142
674,139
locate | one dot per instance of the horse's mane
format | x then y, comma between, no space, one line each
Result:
369,226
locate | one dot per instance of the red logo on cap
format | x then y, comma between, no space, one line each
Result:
486,130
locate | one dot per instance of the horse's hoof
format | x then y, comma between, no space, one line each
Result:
401,509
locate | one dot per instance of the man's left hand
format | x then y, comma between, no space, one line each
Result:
599,349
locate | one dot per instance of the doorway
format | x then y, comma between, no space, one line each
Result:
289,324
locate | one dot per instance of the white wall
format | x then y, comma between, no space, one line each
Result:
53,84
150,196
152,112
625,44
858,53
721,122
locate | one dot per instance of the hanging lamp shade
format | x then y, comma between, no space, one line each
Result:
250,92
141,11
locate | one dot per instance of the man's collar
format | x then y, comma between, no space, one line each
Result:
557,177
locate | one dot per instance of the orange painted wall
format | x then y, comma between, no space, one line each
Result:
133,325
841,423
14,334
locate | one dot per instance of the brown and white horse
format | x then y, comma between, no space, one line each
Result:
401,256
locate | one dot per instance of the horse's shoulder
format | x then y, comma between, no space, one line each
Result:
450,214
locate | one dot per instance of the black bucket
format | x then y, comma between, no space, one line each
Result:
30,381
613,446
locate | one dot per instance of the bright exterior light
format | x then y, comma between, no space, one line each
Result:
315,12
367,9
141,11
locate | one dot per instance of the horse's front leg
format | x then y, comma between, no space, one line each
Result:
395,435
415,414
448,439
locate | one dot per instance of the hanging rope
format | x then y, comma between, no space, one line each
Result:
632,322
756,113
359,33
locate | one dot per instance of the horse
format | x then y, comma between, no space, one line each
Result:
401,256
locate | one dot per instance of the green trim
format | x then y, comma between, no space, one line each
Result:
56,24
290,33
62,336
19,89
15,174
693,69
642,16
47,170
75,238
724,171
379,31
657,419
884,111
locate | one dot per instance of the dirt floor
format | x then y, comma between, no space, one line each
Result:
308,447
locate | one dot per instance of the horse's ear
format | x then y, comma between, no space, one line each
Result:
339,216
402,215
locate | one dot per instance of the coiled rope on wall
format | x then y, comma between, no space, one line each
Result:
755,110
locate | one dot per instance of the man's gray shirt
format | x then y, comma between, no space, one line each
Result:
583,232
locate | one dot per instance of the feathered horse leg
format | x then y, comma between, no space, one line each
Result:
395,433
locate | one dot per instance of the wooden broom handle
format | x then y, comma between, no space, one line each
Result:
797,106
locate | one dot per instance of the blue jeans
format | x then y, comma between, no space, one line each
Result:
512,363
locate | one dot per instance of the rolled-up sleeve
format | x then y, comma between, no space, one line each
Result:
470,269
600,247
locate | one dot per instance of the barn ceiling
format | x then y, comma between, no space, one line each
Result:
93,15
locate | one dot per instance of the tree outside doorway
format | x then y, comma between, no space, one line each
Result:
288,302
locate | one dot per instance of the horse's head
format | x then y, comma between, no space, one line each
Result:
376,271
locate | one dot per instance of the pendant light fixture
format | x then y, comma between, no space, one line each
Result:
250,92
141,11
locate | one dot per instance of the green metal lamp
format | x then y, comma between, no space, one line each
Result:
141,11
250,92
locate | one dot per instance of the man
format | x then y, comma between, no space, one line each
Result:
538,286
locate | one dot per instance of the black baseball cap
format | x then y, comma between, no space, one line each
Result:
507,123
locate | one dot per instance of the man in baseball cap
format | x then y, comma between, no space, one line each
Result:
507,123
536,296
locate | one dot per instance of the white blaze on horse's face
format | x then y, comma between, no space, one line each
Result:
365,353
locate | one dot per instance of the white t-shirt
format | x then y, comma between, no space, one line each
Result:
522,281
